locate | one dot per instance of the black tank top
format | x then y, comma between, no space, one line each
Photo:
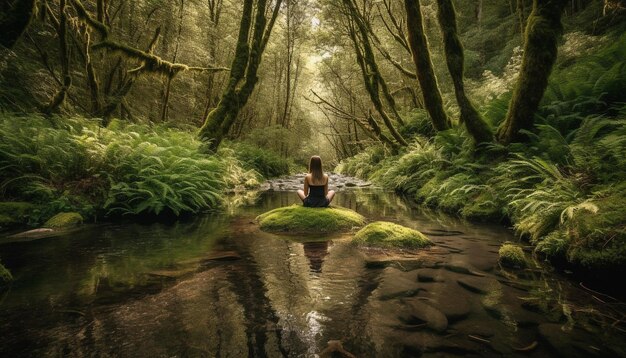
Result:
317,197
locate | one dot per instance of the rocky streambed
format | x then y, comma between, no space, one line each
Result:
217,285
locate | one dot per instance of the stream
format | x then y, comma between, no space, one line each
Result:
216,286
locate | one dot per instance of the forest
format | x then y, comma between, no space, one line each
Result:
142,143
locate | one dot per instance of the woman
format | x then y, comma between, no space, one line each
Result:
316,193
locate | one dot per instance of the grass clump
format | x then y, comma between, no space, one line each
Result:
266,162
389,235
63,220
5,275
299,219
511,255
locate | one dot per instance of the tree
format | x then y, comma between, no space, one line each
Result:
372,78
243,75
425,73
476,126
15,16
543,30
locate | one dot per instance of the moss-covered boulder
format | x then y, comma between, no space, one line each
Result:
5,275
511,256
389,235
64,220
298,219
14,213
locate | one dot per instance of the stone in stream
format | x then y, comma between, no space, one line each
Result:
572,342
63,220
418,312
396,283
430,275
477,284
453,302
296,219
420,344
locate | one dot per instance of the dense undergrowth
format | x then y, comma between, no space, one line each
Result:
73,164
564,190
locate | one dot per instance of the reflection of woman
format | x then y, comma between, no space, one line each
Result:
316,193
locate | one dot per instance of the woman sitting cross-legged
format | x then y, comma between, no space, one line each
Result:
316,193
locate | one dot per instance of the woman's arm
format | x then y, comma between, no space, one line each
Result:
326,185
306,186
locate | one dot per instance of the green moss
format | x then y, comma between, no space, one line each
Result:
5,275
387,234
12,213
512,256
298,219
63,220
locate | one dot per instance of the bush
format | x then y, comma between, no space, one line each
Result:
265,162
72,164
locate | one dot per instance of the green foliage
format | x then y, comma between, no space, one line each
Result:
75,165
390,235
299,219
5,275
511,255
268,163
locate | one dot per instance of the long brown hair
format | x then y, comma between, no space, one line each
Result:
315,168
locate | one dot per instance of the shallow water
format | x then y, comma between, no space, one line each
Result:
217,286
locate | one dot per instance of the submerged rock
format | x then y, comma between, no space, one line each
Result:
298,219
387,234
417,312
64,220
512,256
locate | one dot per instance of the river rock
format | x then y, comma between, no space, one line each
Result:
64,220
570,343
420,344
418,312
390,235
396,283
429,275
477,284
454,303
298,219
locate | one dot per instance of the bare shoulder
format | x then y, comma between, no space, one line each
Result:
326,178
307,178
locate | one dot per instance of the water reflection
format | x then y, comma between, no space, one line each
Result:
217,286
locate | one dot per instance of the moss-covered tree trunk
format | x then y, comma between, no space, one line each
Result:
425,73
476,126
373,80
243,74
15,16
543,30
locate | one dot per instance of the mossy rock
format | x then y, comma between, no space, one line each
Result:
15,212
389,235
511,256
298,219
64,220
5,275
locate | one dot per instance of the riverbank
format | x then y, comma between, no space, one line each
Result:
571,207
52,165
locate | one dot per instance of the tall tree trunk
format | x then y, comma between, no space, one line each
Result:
543,30
243,74
372,78
520,17
476,126
16,16
425,73
59,98
168,83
